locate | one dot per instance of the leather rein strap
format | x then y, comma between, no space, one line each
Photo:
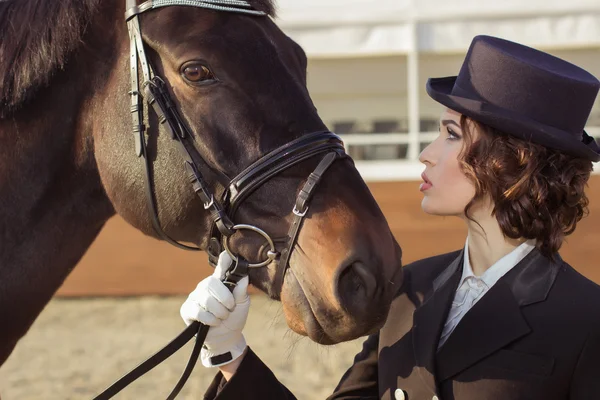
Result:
280,159
233,276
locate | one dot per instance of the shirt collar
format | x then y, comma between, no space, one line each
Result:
501,267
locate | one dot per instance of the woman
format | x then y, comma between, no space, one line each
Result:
506,317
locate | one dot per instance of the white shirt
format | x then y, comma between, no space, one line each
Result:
472,288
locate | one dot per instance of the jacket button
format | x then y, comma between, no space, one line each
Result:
399,394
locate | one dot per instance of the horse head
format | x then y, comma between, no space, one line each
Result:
239,84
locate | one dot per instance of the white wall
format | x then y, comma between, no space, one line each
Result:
359,88
367,89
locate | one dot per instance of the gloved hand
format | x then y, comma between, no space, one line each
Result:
226,313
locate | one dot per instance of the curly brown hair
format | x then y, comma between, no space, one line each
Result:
537,192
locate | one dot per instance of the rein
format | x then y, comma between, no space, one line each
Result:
222,210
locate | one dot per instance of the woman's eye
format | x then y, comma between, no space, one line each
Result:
452,135
197,73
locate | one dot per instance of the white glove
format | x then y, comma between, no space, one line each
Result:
213,304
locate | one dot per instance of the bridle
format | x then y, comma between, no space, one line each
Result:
222,210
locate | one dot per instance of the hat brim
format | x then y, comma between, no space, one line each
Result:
440,90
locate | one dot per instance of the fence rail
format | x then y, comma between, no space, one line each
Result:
404,168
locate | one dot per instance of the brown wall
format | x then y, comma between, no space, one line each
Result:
122,261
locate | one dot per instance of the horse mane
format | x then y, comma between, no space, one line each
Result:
37,38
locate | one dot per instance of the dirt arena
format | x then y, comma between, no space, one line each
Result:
121,304
79,346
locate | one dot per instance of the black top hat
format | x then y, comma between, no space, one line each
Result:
525,93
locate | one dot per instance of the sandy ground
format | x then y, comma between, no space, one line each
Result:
77,347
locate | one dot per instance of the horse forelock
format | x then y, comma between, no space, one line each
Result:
38,38
267,6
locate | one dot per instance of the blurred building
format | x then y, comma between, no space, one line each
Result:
369,61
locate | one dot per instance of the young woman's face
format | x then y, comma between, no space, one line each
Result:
445,187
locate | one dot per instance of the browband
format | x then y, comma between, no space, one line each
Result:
237,6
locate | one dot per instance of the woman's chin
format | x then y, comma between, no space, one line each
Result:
429,207
426,205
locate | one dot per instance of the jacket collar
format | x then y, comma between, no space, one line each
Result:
530,281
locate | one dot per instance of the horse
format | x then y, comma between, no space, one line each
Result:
69,160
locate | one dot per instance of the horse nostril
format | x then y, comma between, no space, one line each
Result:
356,286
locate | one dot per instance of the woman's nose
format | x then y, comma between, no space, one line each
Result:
425,156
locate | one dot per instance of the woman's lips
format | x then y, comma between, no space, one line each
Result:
426,185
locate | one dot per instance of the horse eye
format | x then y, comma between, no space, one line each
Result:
197,73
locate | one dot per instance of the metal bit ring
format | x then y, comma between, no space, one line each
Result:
271,254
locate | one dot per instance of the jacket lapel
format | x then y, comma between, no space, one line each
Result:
491,324
429,319
496,320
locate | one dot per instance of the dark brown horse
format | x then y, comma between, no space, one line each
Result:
67,159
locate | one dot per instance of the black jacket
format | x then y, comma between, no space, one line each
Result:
534,335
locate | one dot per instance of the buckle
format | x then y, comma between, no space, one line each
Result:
298,213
